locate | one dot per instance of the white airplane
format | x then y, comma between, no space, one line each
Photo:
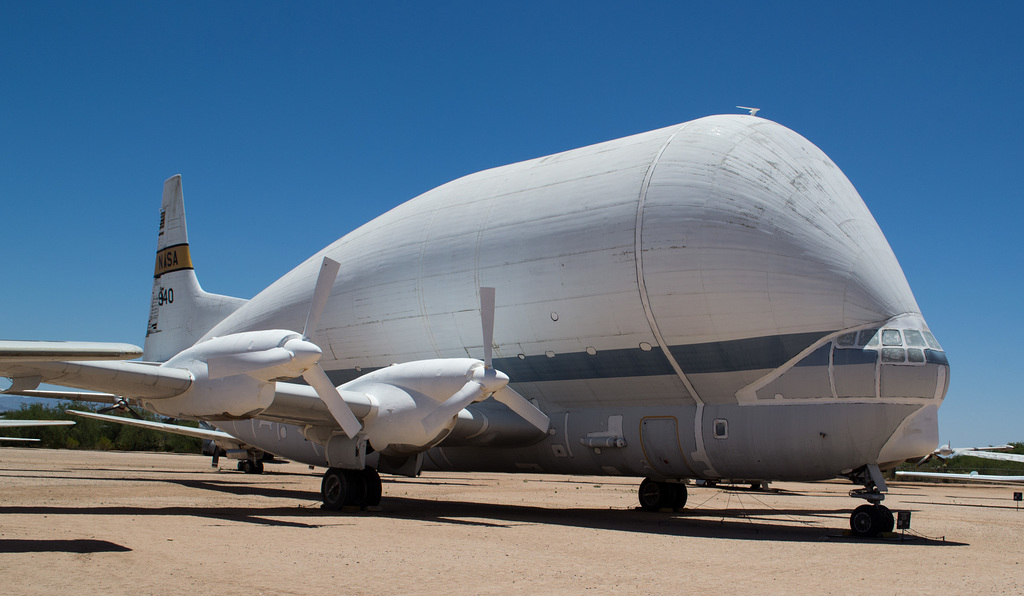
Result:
4,423
946,452
972,476
709,300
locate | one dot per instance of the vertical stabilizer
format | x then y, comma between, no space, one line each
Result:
180,311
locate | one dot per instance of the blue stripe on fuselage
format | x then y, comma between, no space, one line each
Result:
714,357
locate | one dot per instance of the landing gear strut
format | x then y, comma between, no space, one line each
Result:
356,488
871,519
655,496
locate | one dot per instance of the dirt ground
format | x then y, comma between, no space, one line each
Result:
144,523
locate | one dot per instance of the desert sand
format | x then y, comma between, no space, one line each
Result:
146,523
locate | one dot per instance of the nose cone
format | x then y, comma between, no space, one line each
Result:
750,230
307,353
490,379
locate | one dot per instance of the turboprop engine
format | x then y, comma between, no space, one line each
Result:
233,376
412,405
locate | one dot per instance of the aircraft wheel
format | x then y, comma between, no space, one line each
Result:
255,467
871,520
242,465
356,483
655,495
680,495
373,487
334,488
886,519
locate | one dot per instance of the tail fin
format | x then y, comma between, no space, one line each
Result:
180,311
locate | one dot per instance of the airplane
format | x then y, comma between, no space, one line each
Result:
1018,479
4,423
945,452
705,301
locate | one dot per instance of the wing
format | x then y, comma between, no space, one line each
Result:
997,456
35,351
13,423
16,423
974,476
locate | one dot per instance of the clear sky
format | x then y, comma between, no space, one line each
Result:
292,123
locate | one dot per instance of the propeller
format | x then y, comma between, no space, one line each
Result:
486,381
315,375
506,395
121,405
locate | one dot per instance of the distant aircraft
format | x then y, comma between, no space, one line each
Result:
16,423
946,452
709,300
972,476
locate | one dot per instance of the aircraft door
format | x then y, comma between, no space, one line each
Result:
659,437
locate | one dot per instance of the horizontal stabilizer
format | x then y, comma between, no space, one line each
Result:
201,433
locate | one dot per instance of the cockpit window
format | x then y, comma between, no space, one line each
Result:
932,343
891,337
915,355
868,337
893,355
846,340
914,338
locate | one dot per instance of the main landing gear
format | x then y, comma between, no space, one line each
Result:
655,496
873,518
250,466
350,488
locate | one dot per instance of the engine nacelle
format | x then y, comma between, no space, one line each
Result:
405,395
233,375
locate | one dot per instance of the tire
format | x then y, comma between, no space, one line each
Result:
356,485
886,522
334,489
865,521
680,494
655,496
373,487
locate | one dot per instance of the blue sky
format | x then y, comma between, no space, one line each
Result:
294,123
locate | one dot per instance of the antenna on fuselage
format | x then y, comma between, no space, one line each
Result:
753,111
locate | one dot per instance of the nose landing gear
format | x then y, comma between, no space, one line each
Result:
871,519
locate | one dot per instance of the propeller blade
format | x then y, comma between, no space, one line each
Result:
518,404
469,393
246,362
487,322
328,393
324,285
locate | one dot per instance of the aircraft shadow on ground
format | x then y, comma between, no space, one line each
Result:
80,546
264,516
735,524
740,523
